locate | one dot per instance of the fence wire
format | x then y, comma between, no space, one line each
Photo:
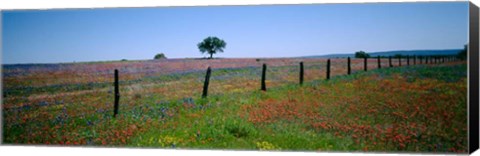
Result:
28,88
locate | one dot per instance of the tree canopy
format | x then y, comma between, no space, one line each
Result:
159,56
211,45
361,54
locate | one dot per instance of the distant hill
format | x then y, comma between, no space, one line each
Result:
392,53
373,54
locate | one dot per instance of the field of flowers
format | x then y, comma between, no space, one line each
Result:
419,108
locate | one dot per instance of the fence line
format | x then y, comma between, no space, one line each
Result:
433,60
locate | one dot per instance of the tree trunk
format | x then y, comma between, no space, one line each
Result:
211,55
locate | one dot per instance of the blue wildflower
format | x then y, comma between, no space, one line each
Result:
26,107
89,123
43,103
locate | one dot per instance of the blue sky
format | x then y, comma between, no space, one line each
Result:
67,35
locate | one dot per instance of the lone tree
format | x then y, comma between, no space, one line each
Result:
160,56
361,54
211,45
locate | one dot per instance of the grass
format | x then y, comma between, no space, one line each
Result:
410,108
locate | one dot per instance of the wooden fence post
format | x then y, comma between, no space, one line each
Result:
378,61
264,71
328,69
117,95
207,81
301,73
408,60
365,63
414,60
390,61
399,60
349,67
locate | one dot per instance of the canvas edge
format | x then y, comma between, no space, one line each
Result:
473,79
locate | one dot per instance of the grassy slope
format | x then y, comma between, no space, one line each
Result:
421,108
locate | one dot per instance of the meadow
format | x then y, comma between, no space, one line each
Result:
416,108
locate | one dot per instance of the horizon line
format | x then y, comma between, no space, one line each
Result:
298,57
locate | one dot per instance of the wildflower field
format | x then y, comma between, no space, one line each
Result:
415,108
